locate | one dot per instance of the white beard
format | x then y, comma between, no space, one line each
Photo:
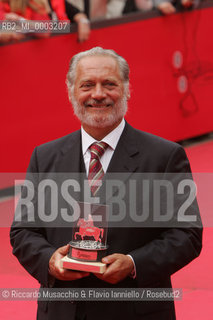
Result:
99,120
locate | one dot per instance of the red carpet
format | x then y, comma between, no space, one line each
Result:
196,279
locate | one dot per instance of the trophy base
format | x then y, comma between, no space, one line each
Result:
94,267
87,251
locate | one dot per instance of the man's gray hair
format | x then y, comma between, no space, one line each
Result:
97,51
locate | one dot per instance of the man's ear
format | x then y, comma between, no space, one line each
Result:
128,94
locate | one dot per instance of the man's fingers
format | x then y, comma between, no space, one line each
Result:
60,273
83,32
54,263
112,269
110,259
119,267
64,250
64,274
114,264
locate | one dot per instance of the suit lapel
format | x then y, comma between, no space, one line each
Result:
125,157
124,163
71,164
71,158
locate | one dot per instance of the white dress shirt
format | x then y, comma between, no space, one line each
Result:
112,140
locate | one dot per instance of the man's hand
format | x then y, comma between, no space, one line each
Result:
83,26
83,31
58,272
166,8
119,267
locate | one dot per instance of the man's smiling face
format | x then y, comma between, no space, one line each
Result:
99,98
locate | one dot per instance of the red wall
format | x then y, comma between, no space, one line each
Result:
34,103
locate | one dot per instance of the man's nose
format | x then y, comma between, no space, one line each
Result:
98,92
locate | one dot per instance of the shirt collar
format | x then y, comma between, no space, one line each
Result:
111,139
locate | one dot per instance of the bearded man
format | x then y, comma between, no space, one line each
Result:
98,87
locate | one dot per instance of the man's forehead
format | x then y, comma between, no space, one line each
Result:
97,61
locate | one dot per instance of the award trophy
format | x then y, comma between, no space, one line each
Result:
89,240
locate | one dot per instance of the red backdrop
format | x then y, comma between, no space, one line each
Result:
171,92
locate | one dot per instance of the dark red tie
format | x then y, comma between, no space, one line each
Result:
96,171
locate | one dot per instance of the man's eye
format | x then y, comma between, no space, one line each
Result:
110,84
86,85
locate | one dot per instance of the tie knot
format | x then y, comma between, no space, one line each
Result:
97,149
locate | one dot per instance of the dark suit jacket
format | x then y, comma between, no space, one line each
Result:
157,252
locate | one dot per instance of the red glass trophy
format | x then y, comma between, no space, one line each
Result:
89,240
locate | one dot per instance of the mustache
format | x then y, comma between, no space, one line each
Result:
99,103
